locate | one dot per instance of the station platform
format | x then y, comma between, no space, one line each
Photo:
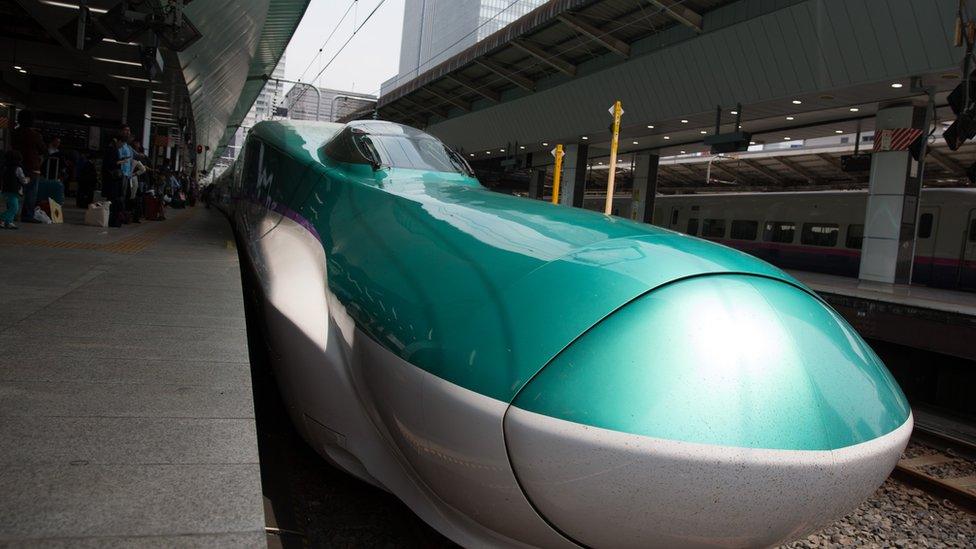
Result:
926,318
126,411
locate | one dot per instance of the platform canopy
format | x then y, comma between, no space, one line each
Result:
190,68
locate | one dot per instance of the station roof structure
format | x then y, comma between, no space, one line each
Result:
49,65
796,68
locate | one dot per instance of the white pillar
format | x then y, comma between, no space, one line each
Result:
892,210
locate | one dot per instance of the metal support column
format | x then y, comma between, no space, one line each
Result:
645,186
896,178
574,175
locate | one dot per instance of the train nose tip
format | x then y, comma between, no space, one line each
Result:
725,410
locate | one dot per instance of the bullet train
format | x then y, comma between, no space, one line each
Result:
524,374
823,231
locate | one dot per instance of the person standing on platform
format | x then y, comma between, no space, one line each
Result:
27,140
12,186
121,175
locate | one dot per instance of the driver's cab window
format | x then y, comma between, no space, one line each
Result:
343,149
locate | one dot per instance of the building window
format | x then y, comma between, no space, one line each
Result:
855,237
692,226
819,234
744,230
779,231
713,228
925,225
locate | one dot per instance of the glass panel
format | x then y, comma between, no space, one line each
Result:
819,234
744,230
925,225
855,237
714,228
779,231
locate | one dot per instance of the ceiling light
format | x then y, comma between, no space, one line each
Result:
897,85
522,147
157,92
501,150
838,131
599,163
71,6
470,154
734,112
752,142
854,109
683,152
789,118
797,102
584,138
22,71
86,115
684,121
636,143
786,138
117,61
545,144
667,137
487,152
18,67
76,84
703,132
110,41
650,126
123,77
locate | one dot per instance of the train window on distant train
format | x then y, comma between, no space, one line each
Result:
714,228
855,237
744,230
972,231
819,234
925,225
779,231
692,226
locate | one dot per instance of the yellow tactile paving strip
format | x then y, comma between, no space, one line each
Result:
128,245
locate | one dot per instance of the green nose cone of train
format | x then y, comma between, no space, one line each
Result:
730,360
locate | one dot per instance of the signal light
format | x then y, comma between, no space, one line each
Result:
964,127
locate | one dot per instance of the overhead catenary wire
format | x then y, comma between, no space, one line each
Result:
341,48
327,39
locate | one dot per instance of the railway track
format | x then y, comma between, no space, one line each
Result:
950,452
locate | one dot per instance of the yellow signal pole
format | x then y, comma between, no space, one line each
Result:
558,153
617,111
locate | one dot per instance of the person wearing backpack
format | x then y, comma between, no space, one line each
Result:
12,186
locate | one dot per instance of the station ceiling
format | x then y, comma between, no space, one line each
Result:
798,69
205,89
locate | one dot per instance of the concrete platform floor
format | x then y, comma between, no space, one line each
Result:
126,413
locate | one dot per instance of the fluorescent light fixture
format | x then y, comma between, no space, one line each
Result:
684,121
110,41
733,112
522,147
650,126
117,61
666,137
22,71
789,118
545,144
157,92
18,67
797,102
71,6
501,150
487,152
787,138
636,143
86,115
683,152
470,154
854,109
76,84
123,77
838,131
897,85
703,132
584,138
752,142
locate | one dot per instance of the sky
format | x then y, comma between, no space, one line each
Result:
370,58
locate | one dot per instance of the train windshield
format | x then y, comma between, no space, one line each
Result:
385,144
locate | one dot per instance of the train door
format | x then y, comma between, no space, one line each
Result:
967,265
926,233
